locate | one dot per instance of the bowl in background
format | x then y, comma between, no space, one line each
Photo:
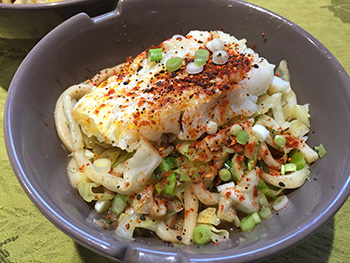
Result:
23,25
87,45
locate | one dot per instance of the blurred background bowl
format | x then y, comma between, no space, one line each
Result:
81,46
23,25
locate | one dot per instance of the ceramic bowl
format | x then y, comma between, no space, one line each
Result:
23,25
87,45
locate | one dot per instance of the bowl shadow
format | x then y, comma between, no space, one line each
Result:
10,59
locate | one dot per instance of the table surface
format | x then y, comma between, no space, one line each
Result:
27,236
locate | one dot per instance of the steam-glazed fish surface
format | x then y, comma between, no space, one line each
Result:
144,98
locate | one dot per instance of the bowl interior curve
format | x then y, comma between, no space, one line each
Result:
81,46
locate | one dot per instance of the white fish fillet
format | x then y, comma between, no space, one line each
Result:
144,98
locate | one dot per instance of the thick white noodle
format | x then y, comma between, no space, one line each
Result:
191,213
67,128
265,154
167,234
226,211
287,181
205,196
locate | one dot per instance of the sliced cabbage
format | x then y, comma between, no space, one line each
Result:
208,216
85,191
283,71
218,235
301,113
131,175
298,129
74,174
128,221
278,85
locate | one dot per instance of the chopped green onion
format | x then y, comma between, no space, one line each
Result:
262,199
220,57
228,164
215,44
102,206
235,129
247,223
298,158
155,54
256,217
102,166
201,57
280,202
265,189
223,187
193,68
212,127
251,164
168,163
321,150
242,137
173,64
225,174
167,185
118,204
107,221
279,140
260,132
201,235
237,168
283,169
265,212
290,167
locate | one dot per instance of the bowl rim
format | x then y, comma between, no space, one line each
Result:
98,245
43,6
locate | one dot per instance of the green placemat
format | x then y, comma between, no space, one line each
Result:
27,236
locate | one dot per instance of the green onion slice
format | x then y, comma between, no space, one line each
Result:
256,217
173,64
247,223
201,57
242,137
279,140
225,174
155,54
290,167
107,221
118,204
265,212
228,164
235,129
201,235
298,158
169,185
321,150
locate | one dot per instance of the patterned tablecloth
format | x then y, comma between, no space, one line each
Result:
27,236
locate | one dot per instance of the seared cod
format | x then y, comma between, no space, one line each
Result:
144,99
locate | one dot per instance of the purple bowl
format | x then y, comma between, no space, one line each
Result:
87,45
